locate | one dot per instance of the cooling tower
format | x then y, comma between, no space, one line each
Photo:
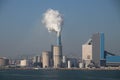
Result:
57,56
46,59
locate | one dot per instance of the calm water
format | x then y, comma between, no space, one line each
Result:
59,75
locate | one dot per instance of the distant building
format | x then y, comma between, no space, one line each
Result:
69,64
23,63
64,62
64,59
4,61
74,62
37,61
81,65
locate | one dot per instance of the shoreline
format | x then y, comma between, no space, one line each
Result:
118,68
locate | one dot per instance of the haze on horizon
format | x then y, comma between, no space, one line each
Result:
22,33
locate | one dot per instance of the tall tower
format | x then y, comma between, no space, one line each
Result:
46,59
86,54
57,56
59,39
53,21
98,49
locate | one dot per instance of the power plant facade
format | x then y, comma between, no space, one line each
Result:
93,50
98,49
87,52
57,56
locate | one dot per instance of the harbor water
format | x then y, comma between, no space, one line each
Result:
53,74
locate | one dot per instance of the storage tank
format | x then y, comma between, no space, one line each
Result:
46,59
57,53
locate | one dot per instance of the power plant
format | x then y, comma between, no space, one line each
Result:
93,51
53,21
94,54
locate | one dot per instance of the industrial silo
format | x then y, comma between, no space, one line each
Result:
46,59
57,56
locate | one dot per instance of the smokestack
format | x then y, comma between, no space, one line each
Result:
53,21
59,40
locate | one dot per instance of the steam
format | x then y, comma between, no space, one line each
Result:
53,21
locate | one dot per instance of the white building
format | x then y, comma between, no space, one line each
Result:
23,63
69,64
86,54
81,65
64,59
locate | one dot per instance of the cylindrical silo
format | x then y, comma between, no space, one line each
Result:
46,59
69,64
57,56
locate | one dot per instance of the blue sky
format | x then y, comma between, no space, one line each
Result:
22,33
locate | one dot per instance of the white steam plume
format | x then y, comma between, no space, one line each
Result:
53,21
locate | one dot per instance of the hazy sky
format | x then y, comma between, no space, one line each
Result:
21,30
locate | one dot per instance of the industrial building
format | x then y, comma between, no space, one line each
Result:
93,53
23,63
64,62
74,62
4,61
37,61
86,54
46,59
57,56
98,49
